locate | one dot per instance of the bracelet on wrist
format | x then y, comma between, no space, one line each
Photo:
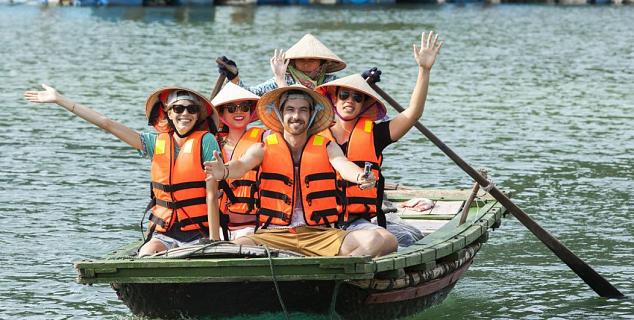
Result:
226,175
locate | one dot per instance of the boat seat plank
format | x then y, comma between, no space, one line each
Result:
447,207
427,226
433,194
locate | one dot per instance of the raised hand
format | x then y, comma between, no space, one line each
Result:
429,48
49,95
222,63
374,73
215,169
279,64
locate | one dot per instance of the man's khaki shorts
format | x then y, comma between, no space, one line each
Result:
310,241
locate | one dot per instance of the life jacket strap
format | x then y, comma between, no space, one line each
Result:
224,225
319,176
272,213
323,194
361,200
224,186
156,220
324,214
249,201
189,221
242,183
182,203
275,195
276,176
178,186
267,223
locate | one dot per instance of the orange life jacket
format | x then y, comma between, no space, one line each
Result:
244,187
178,184
360,149
277,182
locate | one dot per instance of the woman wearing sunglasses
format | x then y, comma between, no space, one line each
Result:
308,62
357,108
236,107
183,204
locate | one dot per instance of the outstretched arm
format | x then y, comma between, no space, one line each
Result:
347,169
218,170
50,95
425,57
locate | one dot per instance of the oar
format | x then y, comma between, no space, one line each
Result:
221,78
214,224
599,284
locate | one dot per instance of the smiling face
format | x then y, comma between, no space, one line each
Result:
237,115
296,114
184,121
349,103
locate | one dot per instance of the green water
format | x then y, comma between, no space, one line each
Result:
542,96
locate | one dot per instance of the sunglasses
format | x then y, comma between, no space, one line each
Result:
191,109
357,97
244,107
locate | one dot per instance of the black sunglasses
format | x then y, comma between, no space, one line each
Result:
192,108
357,97
244,107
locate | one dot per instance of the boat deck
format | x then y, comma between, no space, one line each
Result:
441,223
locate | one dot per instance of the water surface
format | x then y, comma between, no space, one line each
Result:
541,96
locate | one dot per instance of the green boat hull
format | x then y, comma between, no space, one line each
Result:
220,285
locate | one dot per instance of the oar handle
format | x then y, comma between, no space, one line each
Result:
599,284
221,78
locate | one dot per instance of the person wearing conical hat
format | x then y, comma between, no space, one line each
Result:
308,62
298,198
236,107
357,130
184,206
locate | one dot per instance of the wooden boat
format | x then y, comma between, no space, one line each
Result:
221,279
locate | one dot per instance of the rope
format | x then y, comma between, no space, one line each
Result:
213,244
277,288
489,186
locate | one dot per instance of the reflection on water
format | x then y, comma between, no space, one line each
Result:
539,95
159,14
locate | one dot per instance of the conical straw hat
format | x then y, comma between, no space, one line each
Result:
231,93
271,101
309,47
372,108
155,108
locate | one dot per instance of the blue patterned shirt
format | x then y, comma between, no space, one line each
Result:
270,85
